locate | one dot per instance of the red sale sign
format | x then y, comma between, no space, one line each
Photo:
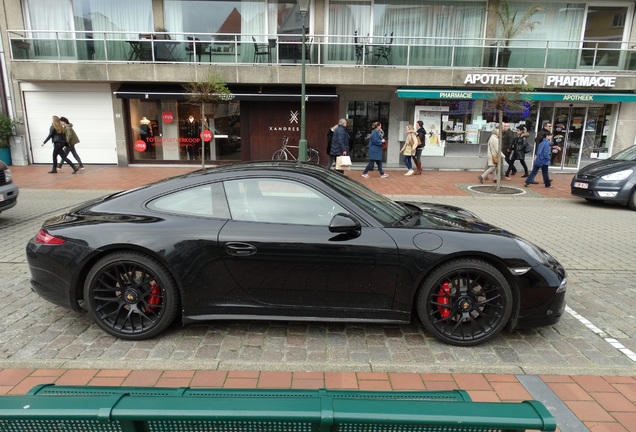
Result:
140,146
167,117
207,135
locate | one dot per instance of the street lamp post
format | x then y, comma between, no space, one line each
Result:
303,6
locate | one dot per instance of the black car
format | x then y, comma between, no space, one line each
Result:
8,190
612,179
289,241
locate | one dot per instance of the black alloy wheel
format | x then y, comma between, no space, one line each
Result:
465,302
131,296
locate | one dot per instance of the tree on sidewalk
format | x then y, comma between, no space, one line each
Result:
511,99
211,89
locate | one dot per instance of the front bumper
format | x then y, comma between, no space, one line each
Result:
601,190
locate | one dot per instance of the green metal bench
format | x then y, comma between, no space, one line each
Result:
141,409
62,390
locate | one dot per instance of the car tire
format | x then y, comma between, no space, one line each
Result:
632,200
131,295
465,302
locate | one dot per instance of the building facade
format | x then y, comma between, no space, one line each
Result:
117,69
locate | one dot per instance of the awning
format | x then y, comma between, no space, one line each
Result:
242,93
468,94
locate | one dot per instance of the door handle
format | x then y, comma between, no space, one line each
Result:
240,249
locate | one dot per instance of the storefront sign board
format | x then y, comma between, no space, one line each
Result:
467,94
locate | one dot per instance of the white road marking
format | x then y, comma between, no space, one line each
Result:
613,342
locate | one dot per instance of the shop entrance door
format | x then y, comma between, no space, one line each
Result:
568,127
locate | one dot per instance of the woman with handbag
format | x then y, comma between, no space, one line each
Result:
376,142
409,149
494,156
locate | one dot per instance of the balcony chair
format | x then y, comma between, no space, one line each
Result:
384,51
359,48
261,50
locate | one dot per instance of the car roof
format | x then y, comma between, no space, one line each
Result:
253,166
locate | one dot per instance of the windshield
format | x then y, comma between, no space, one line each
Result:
629,154
381,208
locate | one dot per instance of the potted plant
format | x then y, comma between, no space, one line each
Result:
6,132
512,26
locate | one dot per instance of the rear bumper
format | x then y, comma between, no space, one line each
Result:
8,196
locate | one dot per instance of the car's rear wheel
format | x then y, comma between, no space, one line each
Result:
131,295
465,302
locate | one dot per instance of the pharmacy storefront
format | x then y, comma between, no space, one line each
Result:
584,112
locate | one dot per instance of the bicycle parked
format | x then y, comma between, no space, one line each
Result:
284,154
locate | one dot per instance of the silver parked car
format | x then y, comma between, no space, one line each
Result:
8,190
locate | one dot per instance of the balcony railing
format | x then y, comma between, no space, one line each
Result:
344,50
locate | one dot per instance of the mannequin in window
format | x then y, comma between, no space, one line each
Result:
145,129
191,129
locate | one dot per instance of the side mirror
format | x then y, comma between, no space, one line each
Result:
344,223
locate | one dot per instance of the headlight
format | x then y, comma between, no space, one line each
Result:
532,250
7,175
621,175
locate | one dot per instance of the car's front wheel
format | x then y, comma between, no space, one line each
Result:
632,200
465,302
131,295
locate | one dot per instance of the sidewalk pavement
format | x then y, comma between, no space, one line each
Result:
579,403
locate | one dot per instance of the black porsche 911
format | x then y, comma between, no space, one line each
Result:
289,241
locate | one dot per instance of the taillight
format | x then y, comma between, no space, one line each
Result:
46,238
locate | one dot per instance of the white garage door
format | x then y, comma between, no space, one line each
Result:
89,107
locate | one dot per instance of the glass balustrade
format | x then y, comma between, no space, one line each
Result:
320,50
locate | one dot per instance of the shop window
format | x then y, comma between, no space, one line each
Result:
170,130
361,116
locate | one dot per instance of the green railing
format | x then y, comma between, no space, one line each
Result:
135,409
238,49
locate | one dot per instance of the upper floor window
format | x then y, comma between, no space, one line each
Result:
90,15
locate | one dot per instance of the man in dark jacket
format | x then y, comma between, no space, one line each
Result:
339,141
421,134
507,144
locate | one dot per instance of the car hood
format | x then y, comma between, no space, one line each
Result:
605,167
444,216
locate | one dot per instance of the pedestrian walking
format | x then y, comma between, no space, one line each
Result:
331,160
421,135
409,149
72,139
376,141
340,141
494,157
56,134
521,147
507,144
541,161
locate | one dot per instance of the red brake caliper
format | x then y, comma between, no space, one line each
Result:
154,298
444,299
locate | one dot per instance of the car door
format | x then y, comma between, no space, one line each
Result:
278,248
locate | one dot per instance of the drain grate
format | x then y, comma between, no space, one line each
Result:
492,190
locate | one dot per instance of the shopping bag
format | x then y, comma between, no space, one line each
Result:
343,163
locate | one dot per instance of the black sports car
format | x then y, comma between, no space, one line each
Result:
289,241
612,179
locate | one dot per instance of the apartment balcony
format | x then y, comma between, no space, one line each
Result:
387,60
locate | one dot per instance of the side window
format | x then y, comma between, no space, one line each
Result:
279,201
205,200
